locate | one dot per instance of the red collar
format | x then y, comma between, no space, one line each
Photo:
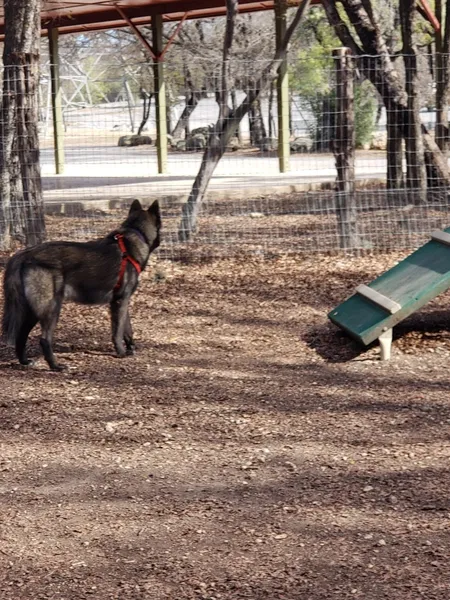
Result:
126,258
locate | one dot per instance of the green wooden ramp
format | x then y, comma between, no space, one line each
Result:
375,309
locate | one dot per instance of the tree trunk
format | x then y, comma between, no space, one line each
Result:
21,204
441,134
442,77
270,116
218,138
234,106
416,177
251,125
228,121
394,152
344,150
183,121
258,133
147,98
214,152
263,141
192,99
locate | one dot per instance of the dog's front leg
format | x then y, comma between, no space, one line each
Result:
128,335
119,312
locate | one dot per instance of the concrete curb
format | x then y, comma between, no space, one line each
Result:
73,207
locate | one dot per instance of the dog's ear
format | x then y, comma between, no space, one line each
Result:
155,212
135,206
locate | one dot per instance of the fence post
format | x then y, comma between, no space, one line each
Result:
344,149
416,174
160,93
58,124
283,100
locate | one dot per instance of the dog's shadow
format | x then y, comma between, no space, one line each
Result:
67,352
335,345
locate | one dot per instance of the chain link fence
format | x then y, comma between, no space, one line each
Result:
250,206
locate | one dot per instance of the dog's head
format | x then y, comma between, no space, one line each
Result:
147,221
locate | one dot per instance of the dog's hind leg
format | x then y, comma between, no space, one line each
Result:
44,291
22,337
48,325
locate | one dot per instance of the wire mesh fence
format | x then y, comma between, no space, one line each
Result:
250,206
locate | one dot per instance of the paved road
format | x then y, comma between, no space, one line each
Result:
99,172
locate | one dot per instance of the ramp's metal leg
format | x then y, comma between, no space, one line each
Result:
385,340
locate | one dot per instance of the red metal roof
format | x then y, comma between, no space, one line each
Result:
75,16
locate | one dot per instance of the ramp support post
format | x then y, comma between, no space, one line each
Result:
385,340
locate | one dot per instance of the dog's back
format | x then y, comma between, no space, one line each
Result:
80,272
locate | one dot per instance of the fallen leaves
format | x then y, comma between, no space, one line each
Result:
243,452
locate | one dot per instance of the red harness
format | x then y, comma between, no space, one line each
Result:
126,258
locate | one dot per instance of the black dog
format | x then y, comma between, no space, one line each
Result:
38,279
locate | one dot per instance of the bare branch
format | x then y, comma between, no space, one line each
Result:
269,73
232,11
225,128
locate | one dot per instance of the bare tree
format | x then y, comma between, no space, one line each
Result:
376,65
229,119
193,97
21,204
147,100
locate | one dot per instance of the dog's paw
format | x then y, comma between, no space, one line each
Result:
27,362
131,350
58,368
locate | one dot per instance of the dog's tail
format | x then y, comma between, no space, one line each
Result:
15,307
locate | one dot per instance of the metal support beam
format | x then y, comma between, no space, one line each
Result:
160,91
138,34
174,34
435,20
282,90
58,125
144,41
157,51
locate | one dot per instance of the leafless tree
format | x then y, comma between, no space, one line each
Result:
229,119
193,96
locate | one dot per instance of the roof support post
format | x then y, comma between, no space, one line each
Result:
58,125
160,91
282,90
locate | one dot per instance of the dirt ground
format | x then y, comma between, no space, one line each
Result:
249,450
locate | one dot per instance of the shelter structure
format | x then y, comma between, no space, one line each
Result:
81,16
60,17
